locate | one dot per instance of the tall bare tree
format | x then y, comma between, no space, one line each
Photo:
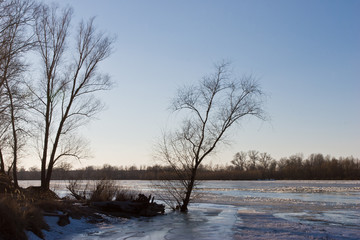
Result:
210,109
16,41
64,97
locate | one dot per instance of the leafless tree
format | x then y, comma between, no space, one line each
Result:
264,160
64,97
210,109
4,126
15,41
239,160
253,159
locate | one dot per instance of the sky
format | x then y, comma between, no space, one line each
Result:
305,55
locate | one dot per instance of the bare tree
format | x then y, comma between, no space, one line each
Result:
4,126
264,164
210,109
253,159
264,160
64,97
16,41
239,160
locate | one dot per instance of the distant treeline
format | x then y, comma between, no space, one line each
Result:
251,165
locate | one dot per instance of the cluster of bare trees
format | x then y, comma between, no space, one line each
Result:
316,166
254,161
295,167
47,83
254,165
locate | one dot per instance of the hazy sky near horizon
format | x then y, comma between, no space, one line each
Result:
305,54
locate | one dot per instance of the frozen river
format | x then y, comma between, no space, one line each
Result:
237,210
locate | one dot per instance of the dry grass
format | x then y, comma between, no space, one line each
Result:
76,191
124,194
104,190
12,224
20,210
16,217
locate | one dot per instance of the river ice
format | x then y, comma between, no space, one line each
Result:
236,210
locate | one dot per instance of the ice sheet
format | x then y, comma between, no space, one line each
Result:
239,210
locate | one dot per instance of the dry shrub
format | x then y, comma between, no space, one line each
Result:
16,217
76,191
124,194
6,184
105,190
21,210
12,224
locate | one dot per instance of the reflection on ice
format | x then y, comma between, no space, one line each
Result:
340,218
203,221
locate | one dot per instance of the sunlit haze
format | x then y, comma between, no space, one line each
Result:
305,55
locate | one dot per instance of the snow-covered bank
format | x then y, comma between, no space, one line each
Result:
78,229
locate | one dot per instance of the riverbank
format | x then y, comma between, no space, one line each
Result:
31,211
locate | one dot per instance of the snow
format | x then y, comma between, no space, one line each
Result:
75,230
255,210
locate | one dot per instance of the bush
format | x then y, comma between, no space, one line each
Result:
124,194
12,224
6,184
18,211
16,217
105,190
76,192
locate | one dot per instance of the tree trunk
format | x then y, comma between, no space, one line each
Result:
2,166
44,185
14,133
43,175
189,189
48,175
15,179
56,143
15,147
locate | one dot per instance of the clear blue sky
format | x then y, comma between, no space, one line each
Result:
305,53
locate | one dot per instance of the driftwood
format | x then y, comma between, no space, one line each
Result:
142,206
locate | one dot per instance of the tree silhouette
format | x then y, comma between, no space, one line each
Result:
64,97
210,109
